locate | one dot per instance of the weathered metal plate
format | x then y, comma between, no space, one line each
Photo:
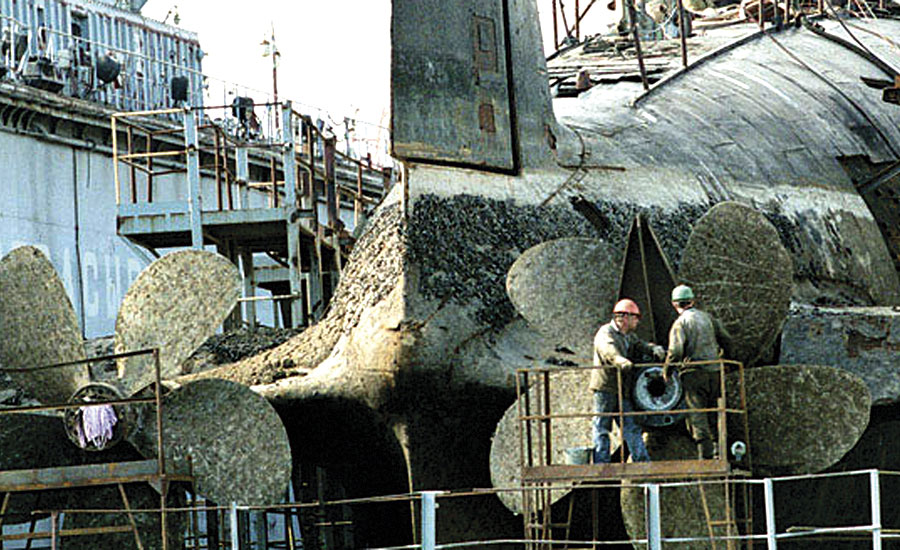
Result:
565,288
569,393
803,418
647,278
681,507
860,340
175,304
450,98
235,441
741,274
39,327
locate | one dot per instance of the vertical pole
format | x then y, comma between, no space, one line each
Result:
163,517
217,170
233,519
636,35
273,177
161,458
621,417
115,148
358,207
249,286
292,220
768,495
577,21
53,519
654,525
243,176
682,31
193,177
308,200
529,456
331,196
548,436
429,506
721,416
876,509
149,168
132,172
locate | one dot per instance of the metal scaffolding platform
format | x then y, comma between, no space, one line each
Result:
541,478
156,471
260,202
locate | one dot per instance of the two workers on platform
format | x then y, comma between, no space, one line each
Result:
695,336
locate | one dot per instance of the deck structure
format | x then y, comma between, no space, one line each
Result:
294,200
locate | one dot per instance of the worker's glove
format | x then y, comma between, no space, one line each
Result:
659,352
627,367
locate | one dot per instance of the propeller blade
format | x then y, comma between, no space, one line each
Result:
565,288
802,418
39,327
568,394
741,273
140,496
233,438
175,304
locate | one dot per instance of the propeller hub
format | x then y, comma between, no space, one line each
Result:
96,426
652,393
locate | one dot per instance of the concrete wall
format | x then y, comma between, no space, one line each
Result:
62,200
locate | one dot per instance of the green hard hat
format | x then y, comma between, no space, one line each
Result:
682,293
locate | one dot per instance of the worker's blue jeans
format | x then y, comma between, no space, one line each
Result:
605,402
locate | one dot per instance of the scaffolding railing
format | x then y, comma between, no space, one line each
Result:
541,476
225,149
237,527
541,420
92,475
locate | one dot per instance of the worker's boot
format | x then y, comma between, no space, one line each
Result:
706,449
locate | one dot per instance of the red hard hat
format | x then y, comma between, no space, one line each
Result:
627,305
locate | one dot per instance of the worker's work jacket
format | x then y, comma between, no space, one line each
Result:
697,336
616,349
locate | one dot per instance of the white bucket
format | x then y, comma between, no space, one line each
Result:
579,455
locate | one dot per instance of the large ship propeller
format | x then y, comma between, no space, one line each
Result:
736,263
221,428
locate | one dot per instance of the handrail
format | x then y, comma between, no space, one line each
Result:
307,158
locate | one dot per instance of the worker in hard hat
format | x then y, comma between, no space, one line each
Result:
696,336
617,345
